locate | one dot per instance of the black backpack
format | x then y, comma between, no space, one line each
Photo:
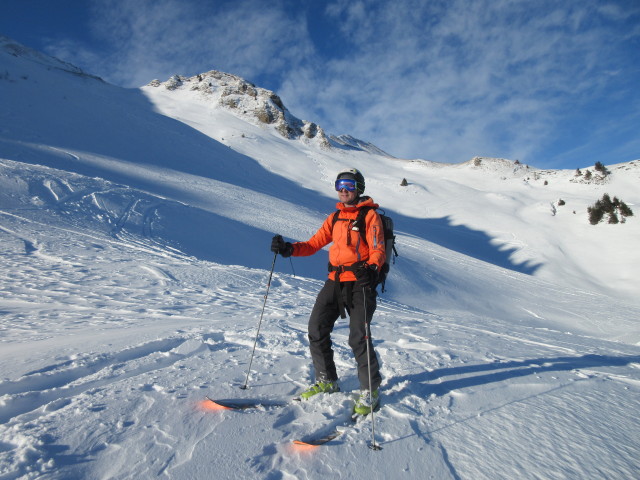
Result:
389,238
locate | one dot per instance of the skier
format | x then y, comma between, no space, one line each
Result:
351,288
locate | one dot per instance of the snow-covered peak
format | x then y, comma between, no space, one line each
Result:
352,143
9,46
246,100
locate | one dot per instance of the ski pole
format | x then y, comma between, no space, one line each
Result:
367,327
244,387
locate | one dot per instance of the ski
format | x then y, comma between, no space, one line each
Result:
246,403
316,440
320,437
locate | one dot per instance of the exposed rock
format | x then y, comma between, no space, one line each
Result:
245,99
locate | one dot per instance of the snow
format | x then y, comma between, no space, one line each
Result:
135,229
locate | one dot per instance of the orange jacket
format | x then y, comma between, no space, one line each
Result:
341,253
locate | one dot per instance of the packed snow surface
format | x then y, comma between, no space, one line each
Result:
134,239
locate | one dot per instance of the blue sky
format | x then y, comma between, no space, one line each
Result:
554,84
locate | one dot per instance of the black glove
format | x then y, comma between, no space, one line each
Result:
367,276
278,245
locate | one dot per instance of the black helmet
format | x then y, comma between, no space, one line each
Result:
353,174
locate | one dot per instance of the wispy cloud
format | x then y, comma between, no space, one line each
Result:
487,78
149,39
454,79
443,80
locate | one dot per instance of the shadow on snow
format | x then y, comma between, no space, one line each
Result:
124,128
508,370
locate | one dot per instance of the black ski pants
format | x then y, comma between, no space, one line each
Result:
323,317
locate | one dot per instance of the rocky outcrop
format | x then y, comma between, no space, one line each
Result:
245,99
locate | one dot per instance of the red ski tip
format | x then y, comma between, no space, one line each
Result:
300,443
211,405
303,447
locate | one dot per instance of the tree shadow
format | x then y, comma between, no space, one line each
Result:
507,371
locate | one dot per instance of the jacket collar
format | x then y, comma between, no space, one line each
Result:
363,201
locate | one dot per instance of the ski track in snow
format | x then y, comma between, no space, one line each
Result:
170,329
173,332
130,293
127,335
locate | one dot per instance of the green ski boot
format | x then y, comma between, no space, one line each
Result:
320,387
366,403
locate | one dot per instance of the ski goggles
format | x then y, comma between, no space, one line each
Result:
347,184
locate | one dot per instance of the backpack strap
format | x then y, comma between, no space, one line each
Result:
359,223
336,218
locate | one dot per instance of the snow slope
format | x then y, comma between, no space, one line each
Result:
135,227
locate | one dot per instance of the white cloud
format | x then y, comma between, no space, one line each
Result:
447,81
149,39
444,80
